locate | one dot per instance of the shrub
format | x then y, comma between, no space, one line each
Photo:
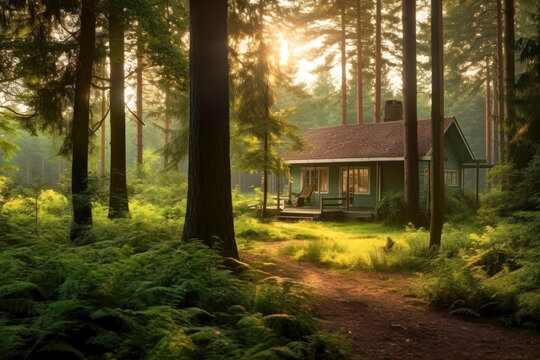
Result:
391,209
458,205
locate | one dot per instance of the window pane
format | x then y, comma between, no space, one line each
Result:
363,181
344,181
323,180
450,178
356,180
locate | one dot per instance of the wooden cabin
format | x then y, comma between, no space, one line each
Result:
353,166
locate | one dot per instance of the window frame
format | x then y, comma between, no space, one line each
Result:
318,170
368,185
451,172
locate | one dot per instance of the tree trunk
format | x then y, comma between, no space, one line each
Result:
495,113
343,69
209,204
410,117
500,83
139,102
510,72
265,175
103,132
82,207
166,125
488,114
359,63
378,20
118,200
437,125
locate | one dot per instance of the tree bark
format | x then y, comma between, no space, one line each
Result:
265,175
139,102
166,125
437,125
488,114
343,68
118,199
495,113
209,204
82,206
103,132
410,116
510,72
378,21
359,107
500,83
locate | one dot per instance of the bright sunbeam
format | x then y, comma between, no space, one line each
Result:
284,52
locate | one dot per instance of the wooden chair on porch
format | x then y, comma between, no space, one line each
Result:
304,195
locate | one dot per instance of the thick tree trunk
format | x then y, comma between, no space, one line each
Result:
209,206
139,102
495,113
265,176
500,84
103,132
410,117
359,107
437,125
82,207
378,20
166,125
118,200
488,114
510,72
343,69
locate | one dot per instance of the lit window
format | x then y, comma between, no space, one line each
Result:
451,177
358,180
318,177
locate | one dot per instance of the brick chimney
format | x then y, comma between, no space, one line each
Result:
393,110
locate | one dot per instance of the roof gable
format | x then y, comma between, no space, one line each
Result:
365,142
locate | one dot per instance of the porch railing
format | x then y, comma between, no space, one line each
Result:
329,201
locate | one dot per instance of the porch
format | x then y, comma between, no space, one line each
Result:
327,209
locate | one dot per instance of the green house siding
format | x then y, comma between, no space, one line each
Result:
334,187
456,152
391,176
422,167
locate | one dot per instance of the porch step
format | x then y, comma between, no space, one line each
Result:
295,218
298,215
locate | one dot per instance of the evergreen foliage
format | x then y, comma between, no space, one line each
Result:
138,291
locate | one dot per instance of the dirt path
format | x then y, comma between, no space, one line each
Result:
382,323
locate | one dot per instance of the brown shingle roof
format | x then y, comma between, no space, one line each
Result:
361,141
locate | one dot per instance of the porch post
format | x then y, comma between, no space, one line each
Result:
347,192
290,185
278,199
462,180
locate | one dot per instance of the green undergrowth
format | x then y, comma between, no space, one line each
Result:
478,271
134,295
134,290
374,247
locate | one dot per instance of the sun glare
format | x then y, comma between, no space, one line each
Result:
284,52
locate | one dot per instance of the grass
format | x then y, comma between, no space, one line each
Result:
492,271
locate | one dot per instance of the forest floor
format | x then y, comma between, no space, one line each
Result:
382,322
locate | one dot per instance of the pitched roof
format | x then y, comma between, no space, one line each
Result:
361,141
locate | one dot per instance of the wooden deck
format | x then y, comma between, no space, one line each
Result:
312,213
